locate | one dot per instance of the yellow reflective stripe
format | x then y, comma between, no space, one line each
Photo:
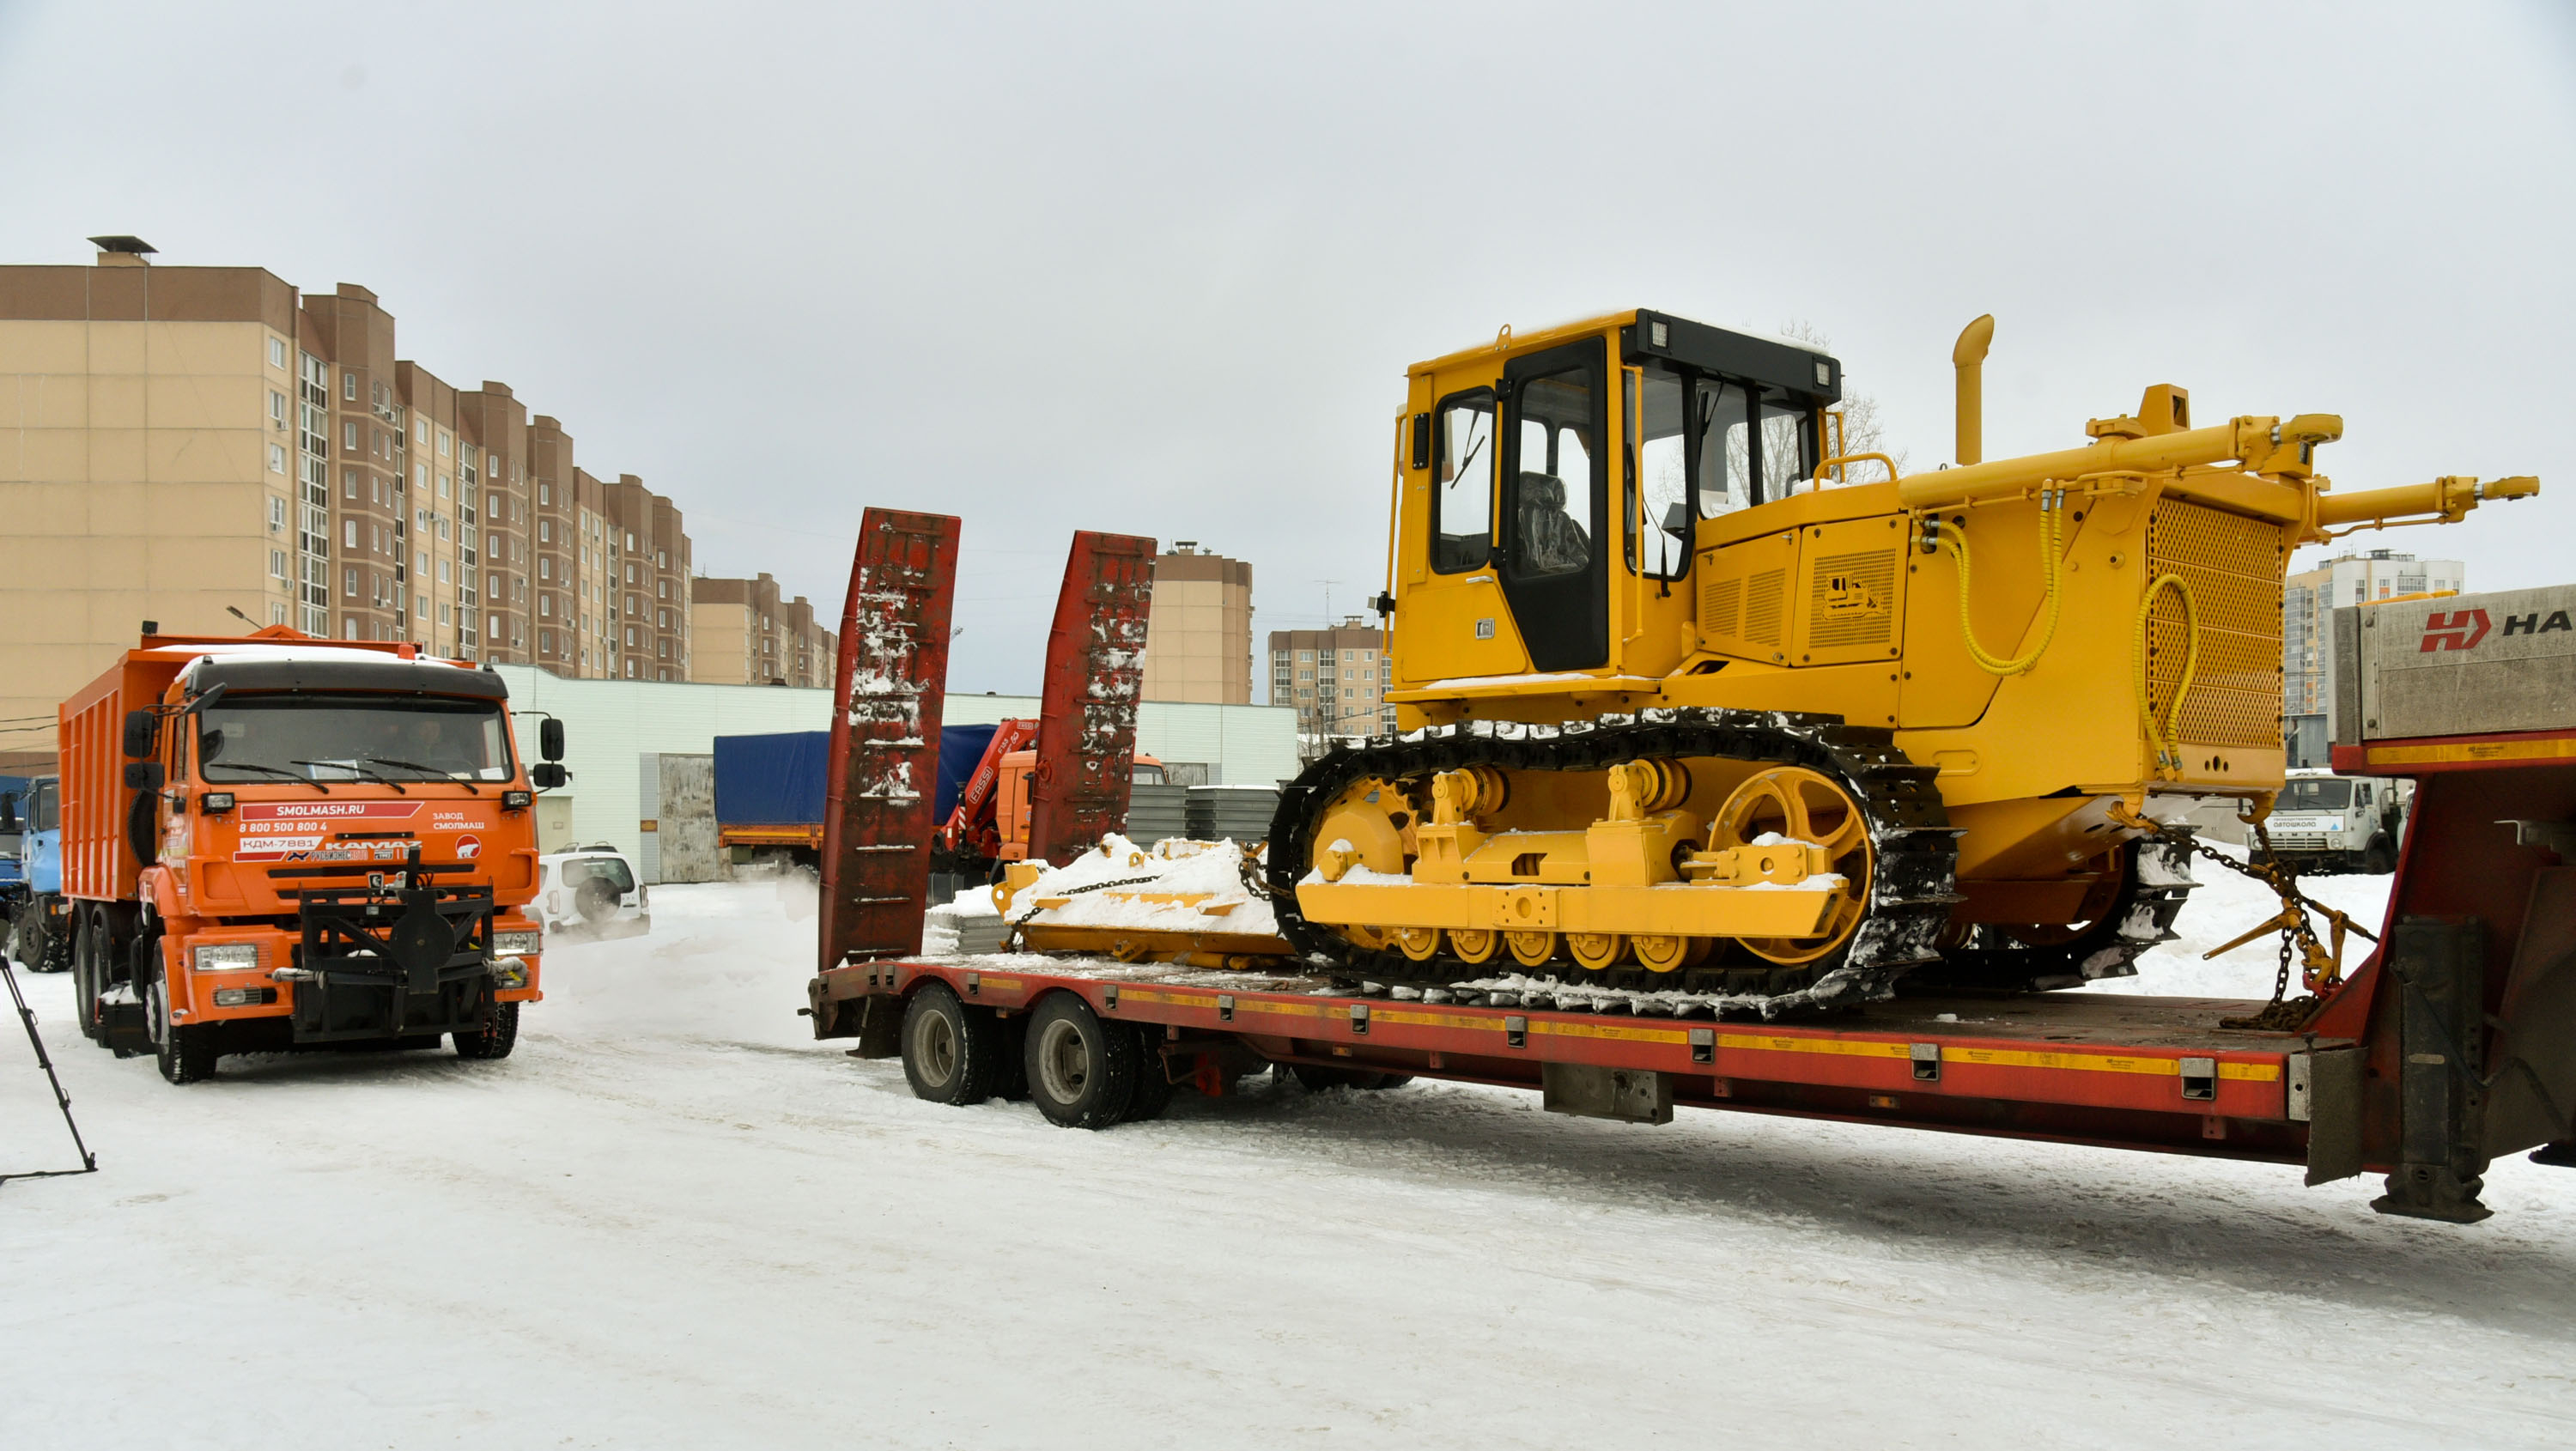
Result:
1605,1030
1436,1020
1846,1047
2105,1063
1005,984
2472,751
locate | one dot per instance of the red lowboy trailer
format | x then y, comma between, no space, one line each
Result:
2453,1044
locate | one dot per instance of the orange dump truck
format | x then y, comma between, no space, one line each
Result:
277,842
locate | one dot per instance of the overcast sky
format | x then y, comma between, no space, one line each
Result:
1160,269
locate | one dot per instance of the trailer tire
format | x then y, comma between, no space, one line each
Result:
951,1052
1082,1073
1153,1077
186,1054
493,1038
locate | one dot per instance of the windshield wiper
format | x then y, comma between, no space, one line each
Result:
464,781
354,769
272,770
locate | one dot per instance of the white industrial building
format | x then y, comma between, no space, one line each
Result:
611,725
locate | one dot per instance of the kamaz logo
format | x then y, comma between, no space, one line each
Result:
2463,629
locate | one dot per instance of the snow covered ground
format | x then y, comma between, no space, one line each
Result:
673,1220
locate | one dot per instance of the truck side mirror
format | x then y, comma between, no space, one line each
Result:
143,775
550,738
142,732
547,776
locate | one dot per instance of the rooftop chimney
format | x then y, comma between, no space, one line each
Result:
122,251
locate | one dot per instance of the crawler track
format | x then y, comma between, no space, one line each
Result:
1910,884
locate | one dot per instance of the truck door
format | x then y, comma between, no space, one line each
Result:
1555,504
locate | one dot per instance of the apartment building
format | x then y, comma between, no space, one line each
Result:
2309,597
742,633
1337,678
1198,631
207,446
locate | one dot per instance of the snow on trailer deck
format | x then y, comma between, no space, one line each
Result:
673,1219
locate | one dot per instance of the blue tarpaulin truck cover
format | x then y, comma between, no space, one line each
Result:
776,780
960,747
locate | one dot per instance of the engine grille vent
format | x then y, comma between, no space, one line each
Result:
2234,566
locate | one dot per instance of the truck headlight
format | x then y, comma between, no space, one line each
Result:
509,972
216,803
228,957
517,800
517,944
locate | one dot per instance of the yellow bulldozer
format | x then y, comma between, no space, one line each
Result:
1690,699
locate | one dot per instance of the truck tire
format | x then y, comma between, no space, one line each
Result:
85,984
1082,1075
952,1053
1153,1077
498,1034
2380,857
186,1054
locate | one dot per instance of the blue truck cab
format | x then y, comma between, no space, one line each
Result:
31,883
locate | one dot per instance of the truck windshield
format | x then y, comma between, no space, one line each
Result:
2312,795
352,737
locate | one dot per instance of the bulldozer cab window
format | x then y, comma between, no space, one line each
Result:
1462,494
1785,442
1659,507
1553,530
1725,440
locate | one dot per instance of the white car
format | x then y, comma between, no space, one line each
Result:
590,893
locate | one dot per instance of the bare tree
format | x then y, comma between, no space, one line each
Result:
1862,431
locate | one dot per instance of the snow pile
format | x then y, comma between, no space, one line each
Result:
1102,888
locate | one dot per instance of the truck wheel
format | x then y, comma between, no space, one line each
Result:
2379,858
1153,1077
951,1053
498,1034
186,1054
85,984
1081,1074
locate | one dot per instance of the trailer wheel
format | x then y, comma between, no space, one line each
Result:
186,1054
1153,1076
1081,1074
498,1034
951,1053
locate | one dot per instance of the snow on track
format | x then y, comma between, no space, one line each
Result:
674,1220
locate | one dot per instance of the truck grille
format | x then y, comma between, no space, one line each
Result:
2234,566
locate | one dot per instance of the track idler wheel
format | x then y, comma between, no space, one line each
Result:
1801,805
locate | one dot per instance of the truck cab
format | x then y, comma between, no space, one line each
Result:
275,845
2322,822
40,917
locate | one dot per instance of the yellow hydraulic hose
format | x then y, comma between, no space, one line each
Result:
2168,739
2052,503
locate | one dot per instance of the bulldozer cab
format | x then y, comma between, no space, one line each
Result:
1551,489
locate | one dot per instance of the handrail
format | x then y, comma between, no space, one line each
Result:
1848,458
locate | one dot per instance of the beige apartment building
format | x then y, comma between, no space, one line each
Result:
1198,632
209,449
743,633
1337,678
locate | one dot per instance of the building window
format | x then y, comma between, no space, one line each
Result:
443,613
349,437
348,385
276,458
546,567
545,492
546,607
545,531
444,438
349,534
277,564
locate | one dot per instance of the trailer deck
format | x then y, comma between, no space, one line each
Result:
2142,1072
